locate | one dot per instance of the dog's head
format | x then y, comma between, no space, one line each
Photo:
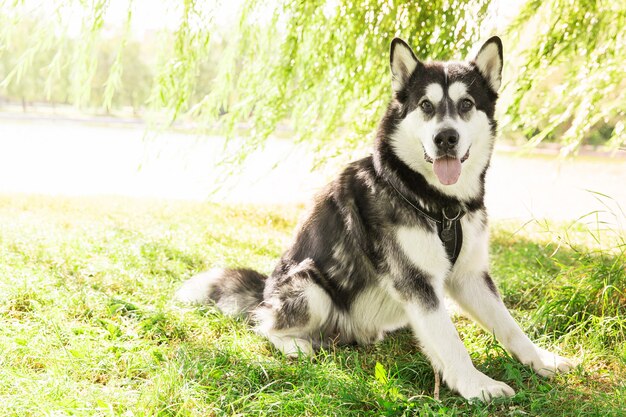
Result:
444,115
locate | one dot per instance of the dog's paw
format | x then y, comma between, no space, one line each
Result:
547,364
482,387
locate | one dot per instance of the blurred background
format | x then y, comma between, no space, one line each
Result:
262,101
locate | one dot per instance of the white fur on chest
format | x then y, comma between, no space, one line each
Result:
424,250
474,255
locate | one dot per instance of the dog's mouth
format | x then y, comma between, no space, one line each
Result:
447,167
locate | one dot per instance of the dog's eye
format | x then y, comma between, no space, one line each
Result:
466,105
427,106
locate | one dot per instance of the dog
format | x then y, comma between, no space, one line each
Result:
394,232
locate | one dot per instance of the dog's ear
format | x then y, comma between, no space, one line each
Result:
489,62
403,63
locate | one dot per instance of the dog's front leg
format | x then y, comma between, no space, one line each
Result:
478,296
417,283
441,343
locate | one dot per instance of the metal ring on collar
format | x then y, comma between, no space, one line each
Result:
458,215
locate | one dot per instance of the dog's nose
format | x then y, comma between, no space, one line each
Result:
446,139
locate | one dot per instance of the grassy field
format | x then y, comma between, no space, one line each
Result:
88,326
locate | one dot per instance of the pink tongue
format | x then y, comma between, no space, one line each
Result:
448,170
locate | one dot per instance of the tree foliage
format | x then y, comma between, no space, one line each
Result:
321,66
325,65
571,79
41,62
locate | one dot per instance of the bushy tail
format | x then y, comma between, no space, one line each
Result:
234,291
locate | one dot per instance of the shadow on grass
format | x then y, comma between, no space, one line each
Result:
346,382
566,293
570,294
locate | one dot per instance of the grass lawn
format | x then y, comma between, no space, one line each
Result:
88,326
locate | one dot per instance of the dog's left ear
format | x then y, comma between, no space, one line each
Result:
489,62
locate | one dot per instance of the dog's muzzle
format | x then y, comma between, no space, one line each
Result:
447,163
448,155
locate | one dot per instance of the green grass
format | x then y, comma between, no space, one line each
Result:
88,326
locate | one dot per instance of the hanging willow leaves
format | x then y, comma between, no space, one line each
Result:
324,66
320,67
572,79
114,79
180,60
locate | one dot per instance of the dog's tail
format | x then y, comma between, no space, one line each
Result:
234,291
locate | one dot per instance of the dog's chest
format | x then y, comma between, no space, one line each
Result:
425,250
474,255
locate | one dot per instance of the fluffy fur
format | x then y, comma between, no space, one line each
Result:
367,259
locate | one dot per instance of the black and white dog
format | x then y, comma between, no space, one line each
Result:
394,232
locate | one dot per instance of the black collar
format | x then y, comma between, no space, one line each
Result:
448,226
